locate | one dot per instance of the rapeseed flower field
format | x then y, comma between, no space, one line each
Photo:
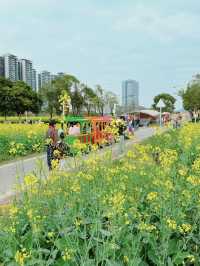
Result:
21,139
143,209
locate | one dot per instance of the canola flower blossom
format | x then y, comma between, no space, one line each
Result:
152,196
21,139
125,211
171,224
67,254
21,257
30,180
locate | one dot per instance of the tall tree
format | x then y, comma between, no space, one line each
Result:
49,95
89,97
65,83
100,99
25,99
69,84
168,100
77,100
111,100
5,82
191,97
17,97
6,101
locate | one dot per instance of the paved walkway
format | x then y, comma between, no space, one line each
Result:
12,173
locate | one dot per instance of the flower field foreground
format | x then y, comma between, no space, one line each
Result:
143,209
20,139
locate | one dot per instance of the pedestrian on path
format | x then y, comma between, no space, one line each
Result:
121,130
51,138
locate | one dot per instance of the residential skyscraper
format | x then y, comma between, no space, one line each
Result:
130,94
195,80
60,74
53,77
39,85
2,68
44,78
11,67
34,80
25,71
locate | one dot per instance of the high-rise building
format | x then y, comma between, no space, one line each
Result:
53,77
130,94
25,71
11,67
34,80
60,74
44,78
39,85
2,68
195,80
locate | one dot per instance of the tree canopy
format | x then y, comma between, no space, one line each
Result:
17,97
191,97
83,97
168,100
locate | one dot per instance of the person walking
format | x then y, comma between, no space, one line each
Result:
51,137
130,127
121,130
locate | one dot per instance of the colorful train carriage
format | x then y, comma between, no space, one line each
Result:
85,129
99,124
92,129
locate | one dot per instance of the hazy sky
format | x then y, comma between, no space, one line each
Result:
106,41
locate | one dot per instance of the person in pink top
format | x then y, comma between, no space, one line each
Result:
75,130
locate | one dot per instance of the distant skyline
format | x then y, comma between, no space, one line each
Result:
105,42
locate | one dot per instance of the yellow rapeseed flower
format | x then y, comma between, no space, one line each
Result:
171,224
67,254
184,228
126,259
152,196
30,180
146,227
21,256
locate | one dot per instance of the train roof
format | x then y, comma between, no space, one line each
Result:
100,118
76,119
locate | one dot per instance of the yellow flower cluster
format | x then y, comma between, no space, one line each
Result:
117,201
30,180
21,139
146,227
196,166
140,195
13,211
67,254
167,158
171,224
152,196
195,181
21,257
185,228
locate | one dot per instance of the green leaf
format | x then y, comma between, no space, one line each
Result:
61,244
153,256
179,258
172,247
105,233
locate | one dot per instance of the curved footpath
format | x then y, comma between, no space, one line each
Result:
13,173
